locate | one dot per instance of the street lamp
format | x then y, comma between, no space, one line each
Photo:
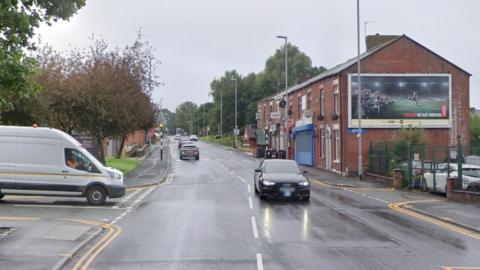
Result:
221,114
236,127
359,97
285,145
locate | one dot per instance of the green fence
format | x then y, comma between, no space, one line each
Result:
425,166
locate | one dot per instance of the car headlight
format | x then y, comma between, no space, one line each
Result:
304,183
115,176
268,183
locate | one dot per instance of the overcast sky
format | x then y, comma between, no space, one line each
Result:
197,40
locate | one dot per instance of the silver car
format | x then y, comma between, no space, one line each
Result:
189,151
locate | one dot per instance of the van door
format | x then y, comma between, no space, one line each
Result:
39,168
80,171
8,155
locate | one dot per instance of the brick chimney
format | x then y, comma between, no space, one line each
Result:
377,39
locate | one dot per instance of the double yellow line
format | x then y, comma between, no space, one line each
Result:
401,207
113,231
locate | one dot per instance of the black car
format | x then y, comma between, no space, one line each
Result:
281,178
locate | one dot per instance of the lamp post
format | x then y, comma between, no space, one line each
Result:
285,146
221,114
236,127
359,97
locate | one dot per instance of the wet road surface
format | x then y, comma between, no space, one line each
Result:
208,217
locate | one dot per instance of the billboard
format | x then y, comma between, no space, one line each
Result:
400,100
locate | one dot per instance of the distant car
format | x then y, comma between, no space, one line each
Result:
418,169
470,176
177,137
282,179
182,141
193,138
190,151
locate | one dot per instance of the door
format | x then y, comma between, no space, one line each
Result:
304,147
328,149
78,171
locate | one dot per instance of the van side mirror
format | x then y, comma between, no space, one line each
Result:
304,172
258,170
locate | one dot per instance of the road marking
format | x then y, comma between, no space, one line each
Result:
461,268
113,231
250,203
65,206
241,179
254,228
399,208
259,261
249,189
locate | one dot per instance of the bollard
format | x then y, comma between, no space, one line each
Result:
398,179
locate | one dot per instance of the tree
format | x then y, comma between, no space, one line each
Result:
475,132
186,117
18,21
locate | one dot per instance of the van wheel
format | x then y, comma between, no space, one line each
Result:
1,196
96,195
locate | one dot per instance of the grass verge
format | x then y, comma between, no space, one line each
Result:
125,165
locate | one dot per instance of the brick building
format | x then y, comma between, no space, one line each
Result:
404,83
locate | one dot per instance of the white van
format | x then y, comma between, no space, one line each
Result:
47,161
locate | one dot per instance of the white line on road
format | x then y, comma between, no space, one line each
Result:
250,203
249,189
242,179
254,228
259,261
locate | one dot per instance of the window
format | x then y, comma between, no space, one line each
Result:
299,107
337,145
309,97
321,137
336,100
78,161
322,102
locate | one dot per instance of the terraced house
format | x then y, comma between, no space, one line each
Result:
403,84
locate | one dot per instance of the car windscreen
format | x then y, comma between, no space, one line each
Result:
282,167
472,172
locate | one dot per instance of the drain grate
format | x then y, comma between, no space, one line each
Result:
5,231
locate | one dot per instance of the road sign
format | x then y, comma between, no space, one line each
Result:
236,131
275,115
357,131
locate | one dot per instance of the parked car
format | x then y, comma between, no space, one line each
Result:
189,151
177,137
281,178
418,169
47,161
193,138
470,175
474,160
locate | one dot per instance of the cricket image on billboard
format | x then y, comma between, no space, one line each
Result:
400,100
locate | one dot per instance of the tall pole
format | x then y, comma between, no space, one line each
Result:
221,114
285,145
359,97
236,127
204,130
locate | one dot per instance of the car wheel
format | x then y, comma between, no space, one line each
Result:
96,195
198,158
261,196
1,196
306,198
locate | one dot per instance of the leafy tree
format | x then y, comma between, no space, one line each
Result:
186,117
18,21
475,132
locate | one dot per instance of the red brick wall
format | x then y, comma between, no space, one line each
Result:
404,56
138,137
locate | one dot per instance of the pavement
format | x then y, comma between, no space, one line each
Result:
152,169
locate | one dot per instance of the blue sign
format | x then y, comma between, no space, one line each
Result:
357,131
